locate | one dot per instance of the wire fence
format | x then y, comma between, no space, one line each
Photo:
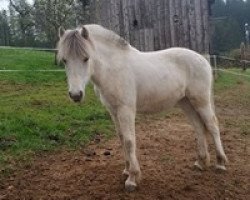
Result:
35,70
62,70
233,73
213,59
233,59
27,48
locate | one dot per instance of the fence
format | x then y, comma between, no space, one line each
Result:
213,59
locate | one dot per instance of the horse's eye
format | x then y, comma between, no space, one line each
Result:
64,61
86,59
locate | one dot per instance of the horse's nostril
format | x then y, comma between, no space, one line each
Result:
76,97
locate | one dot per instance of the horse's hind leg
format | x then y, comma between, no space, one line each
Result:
203,155
205,109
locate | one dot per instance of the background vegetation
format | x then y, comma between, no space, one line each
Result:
36,25
229,23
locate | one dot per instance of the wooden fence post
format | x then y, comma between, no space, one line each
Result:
215,71
243,55
55,58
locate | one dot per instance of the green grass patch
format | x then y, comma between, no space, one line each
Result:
12,59
227,80
36,113
40,118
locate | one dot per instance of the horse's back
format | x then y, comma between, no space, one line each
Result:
186,58
199,79
197,70
173,64
164,77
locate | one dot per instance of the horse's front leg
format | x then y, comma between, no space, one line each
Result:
118,132
126,119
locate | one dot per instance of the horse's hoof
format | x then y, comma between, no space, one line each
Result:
220,167
130,186
125,172
198,166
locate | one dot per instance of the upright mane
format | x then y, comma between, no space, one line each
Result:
107,35
72,44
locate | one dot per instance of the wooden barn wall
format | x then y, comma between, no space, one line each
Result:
155,24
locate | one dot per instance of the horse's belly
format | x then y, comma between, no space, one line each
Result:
156,103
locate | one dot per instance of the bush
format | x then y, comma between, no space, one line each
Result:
236,54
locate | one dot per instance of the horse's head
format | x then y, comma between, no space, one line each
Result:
74,51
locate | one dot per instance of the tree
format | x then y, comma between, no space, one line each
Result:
229,33
82,11
4,29
50,15
219,8
22,22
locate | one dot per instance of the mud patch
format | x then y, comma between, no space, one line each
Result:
166,151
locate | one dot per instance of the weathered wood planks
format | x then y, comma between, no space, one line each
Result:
155,24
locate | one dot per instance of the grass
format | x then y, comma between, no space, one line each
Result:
232,94
227,80
37,115
26,59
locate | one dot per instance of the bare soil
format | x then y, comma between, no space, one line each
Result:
166,151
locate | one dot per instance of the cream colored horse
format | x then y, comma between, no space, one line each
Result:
129,81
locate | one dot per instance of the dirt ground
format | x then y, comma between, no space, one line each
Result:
167,151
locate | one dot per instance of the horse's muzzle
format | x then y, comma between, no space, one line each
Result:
76,97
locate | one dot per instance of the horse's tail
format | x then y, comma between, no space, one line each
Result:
208,61
212,92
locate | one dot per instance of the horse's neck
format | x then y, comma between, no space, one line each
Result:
106,58
105,48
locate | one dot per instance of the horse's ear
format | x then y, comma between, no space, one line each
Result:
61,31
85,33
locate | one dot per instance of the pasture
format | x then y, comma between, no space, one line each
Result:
36,113
53,148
